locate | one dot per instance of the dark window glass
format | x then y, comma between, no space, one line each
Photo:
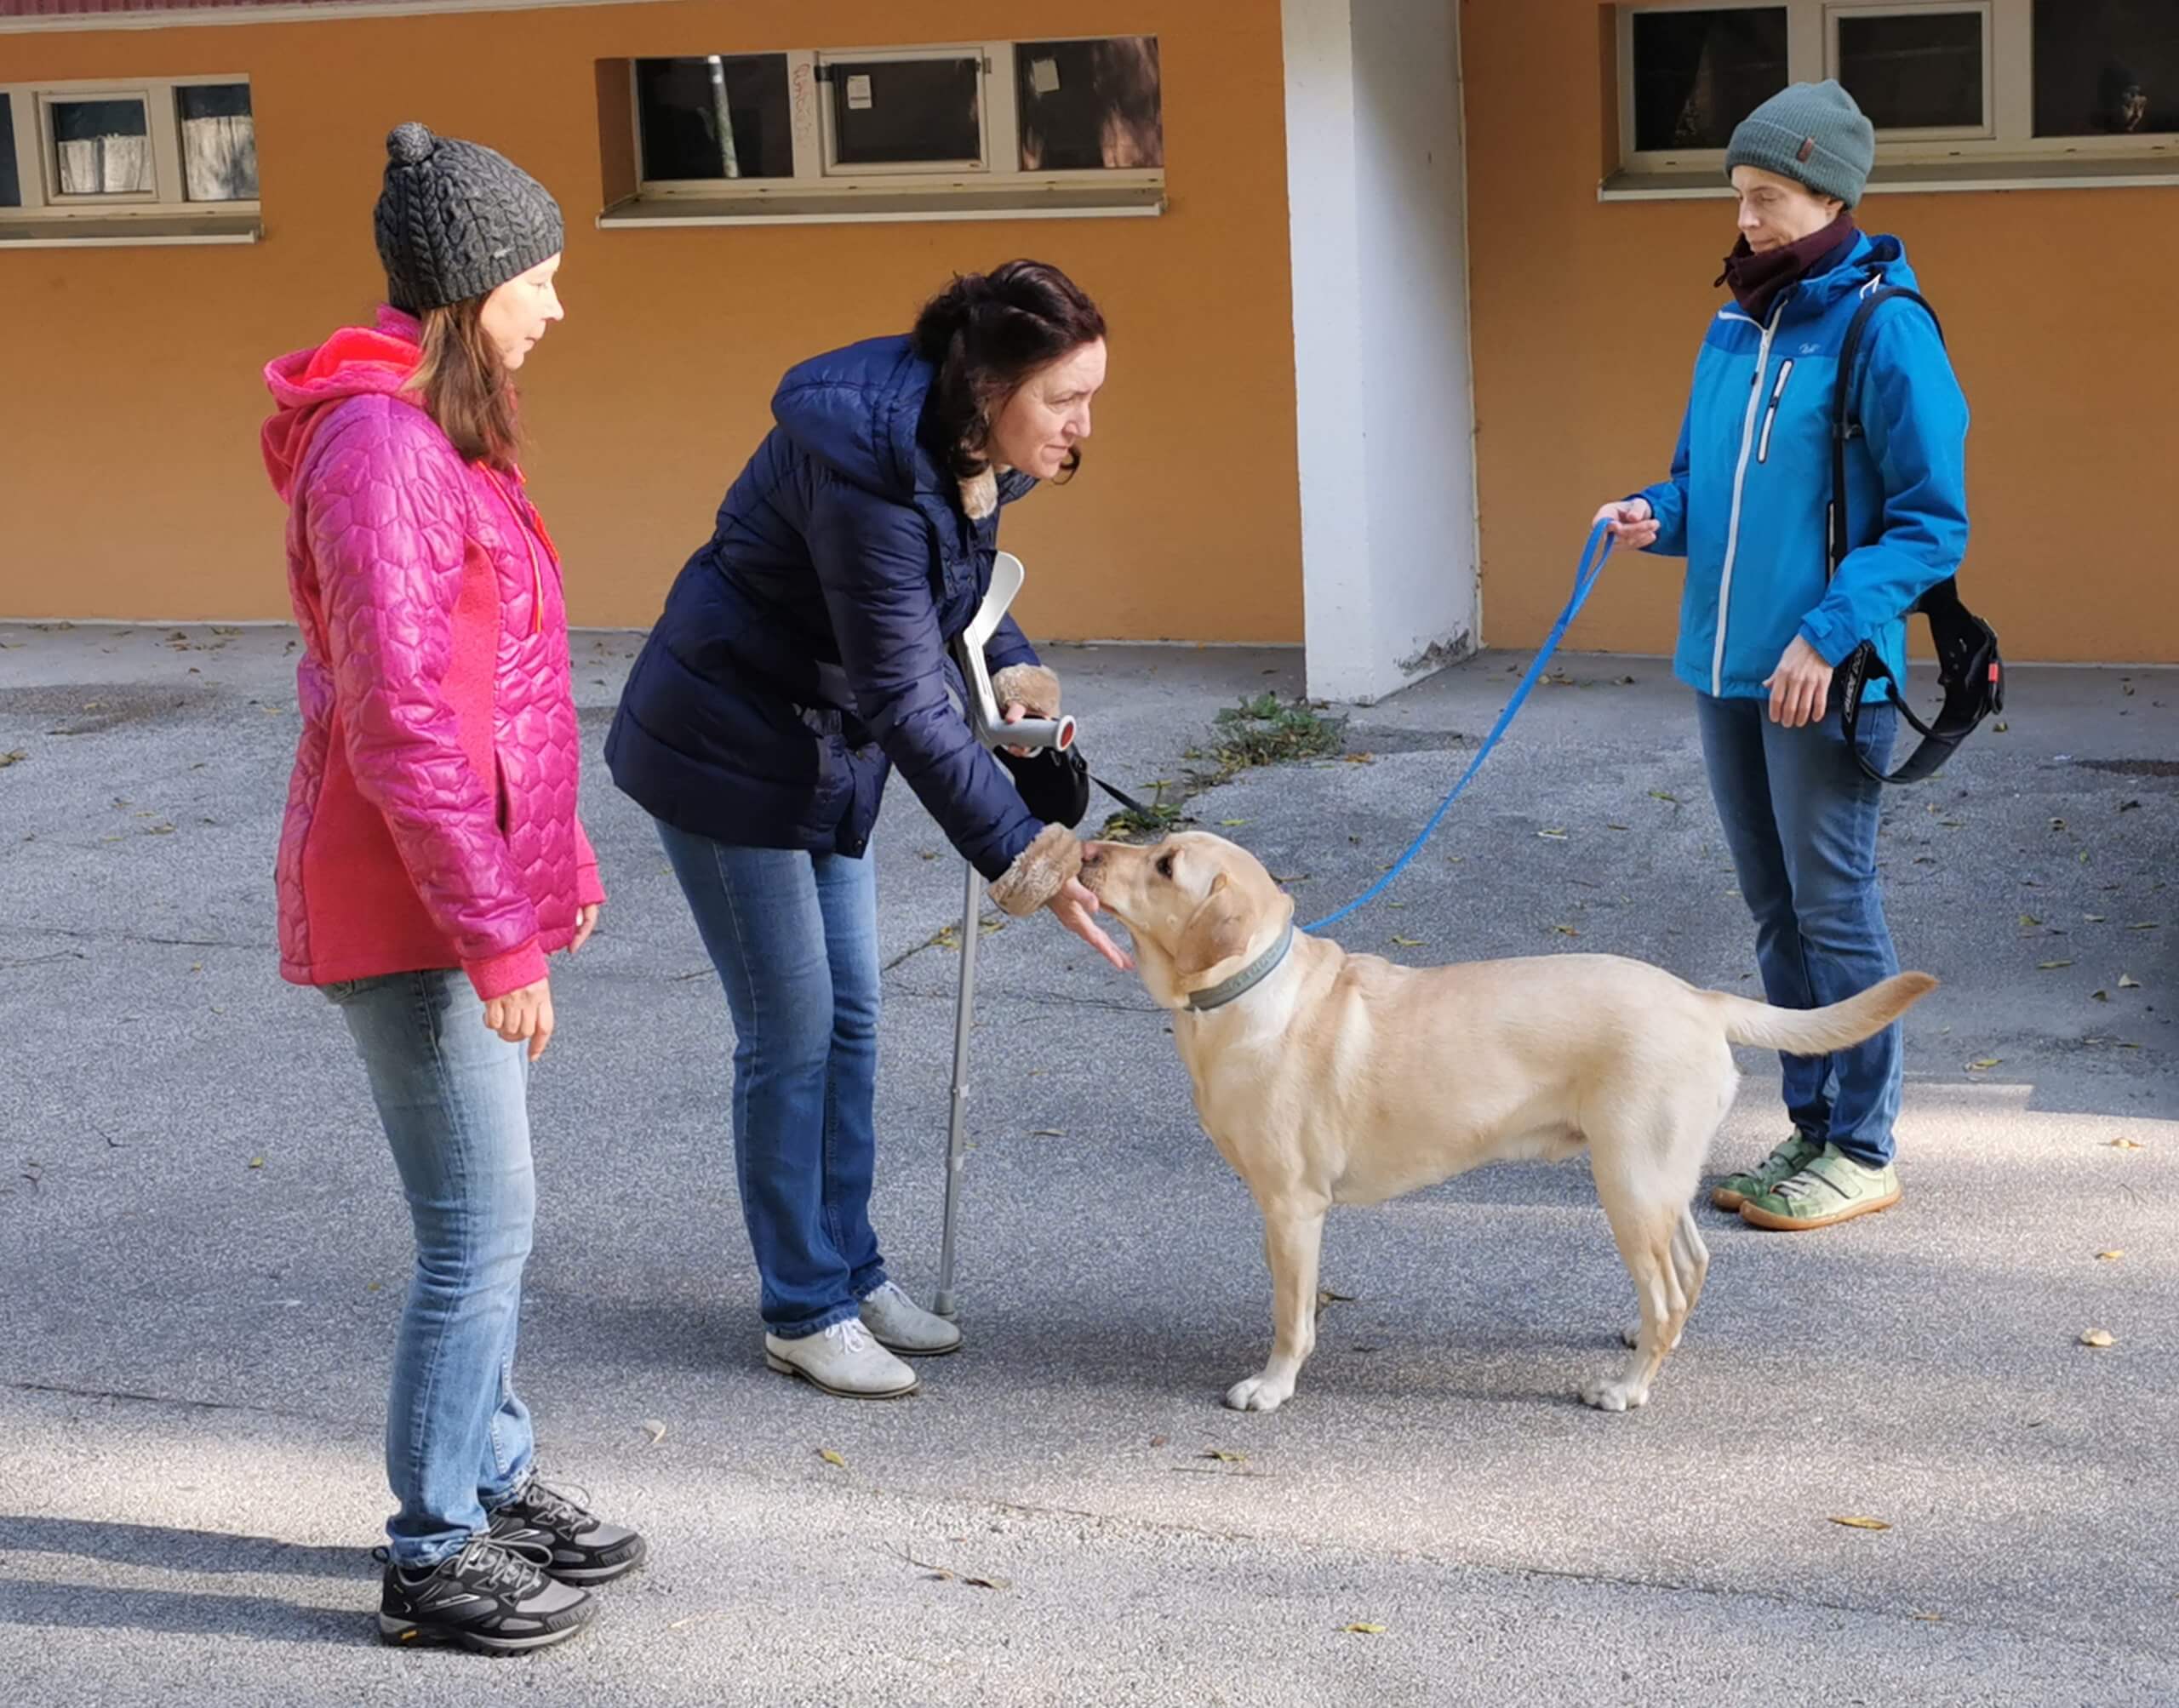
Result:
1089,104
902,112
1921,73
11,182
1698,74
2106,67
723,117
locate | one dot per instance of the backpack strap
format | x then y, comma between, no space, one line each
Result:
1846,420
1969,666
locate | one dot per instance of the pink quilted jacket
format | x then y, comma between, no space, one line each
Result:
430,819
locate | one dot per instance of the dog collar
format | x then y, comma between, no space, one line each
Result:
1247,979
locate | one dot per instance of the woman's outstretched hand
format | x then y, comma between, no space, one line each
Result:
1075,908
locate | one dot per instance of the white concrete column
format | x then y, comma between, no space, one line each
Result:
1375,187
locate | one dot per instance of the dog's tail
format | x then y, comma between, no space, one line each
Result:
1818,1032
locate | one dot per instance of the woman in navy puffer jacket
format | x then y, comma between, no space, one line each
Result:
802,654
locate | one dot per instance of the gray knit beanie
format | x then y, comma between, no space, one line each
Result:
1811,133
457,220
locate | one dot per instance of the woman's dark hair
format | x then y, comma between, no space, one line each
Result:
984,334
464,386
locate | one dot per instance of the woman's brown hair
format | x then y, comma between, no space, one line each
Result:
464,386
984,334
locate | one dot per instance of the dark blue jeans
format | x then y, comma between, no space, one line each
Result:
794,937
1800,818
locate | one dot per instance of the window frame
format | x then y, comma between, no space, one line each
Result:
2007,154
820,190
1835,13
37,160
830,93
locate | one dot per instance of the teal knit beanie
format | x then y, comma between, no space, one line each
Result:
1811,133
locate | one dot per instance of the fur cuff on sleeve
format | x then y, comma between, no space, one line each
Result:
1031,685
980,494
1039,871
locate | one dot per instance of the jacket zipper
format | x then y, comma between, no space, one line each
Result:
528,539
1770,415
1740,482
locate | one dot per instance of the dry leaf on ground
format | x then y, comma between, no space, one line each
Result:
2099,1338
832,1457
1852,1523
653,1428
1363,1628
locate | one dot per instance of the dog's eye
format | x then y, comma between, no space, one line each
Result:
1165,866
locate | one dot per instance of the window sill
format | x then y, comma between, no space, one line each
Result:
82,233
1923,178
787,208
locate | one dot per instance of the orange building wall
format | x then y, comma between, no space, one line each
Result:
129,475
2056,304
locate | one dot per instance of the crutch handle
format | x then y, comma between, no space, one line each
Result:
1034,733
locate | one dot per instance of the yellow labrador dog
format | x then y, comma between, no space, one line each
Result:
1330,1078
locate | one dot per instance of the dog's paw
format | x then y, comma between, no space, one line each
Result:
1258,1394
1614,1394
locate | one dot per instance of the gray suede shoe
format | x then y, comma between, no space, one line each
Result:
902,1325
842,1361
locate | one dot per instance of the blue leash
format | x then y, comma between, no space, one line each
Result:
1585,574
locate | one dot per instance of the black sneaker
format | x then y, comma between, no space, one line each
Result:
575,1545
486,1598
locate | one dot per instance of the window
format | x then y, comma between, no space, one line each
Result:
2106,68
1089,107
1698,74
219,142
716,118
100,147
925,132
923,113
160,159
1964,93
1916,71
11,188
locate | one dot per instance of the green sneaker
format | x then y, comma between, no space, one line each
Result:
1833,1188
1789,1158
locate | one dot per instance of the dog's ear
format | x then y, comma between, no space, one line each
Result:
1216,933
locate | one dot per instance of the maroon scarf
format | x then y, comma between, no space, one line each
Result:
1758,281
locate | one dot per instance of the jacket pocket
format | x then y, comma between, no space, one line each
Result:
1770,415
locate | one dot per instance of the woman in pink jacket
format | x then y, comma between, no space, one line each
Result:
431,856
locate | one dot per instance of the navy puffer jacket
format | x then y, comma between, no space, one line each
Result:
803,650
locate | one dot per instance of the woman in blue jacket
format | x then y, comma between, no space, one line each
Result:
802,655
1762,625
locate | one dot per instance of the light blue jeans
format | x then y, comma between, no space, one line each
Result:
794,937
454,1097
1800,817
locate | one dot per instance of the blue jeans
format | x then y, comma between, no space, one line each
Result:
454,1099
794,937
1800,818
